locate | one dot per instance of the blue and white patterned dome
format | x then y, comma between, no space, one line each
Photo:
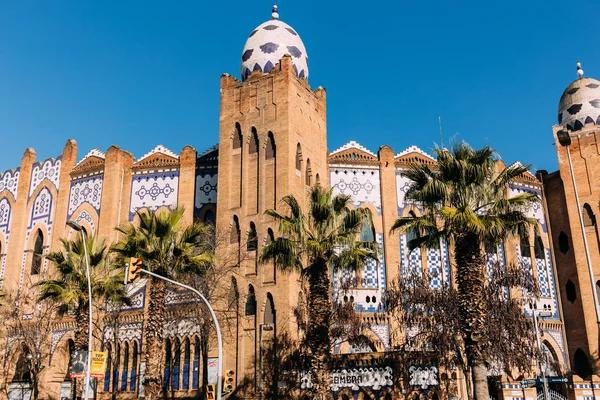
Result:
580,103
268,43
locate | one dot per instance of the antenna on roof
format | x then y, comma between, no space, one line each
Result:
441,137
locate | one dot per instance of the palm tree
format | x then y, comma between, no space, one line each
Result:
69,288
464,201
168,249
313,244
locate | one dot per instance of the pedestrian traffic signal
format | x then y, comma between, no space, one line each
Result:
210,392
229,381
135,266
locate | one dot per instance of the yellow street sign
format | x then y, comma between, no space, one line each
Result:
98,365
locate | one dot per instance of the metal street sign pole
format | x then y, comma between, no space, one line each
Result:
214,317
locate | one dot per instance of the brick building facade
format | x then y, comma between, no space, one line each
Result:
273,142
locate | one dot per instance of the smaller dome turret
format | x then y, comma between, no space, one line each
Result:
580,102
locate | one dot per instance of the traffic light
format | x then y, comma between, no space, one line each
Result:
210,392
135,265
229,381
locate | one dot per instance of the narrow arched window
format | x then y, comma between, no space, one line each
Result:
270,150
589,219
186,364
299,157
251,302
525,249
167,371
38,251
125,367
252,244
237,137
269,318
308,174
235,231
109,363
367,232
196,366
234,295
581,365
209,217
411,234
538,248
134,363
563,242
317,179
176,364
253,142
571,291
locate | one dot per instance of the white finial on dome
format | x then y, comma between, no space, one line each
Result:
579,70
275,14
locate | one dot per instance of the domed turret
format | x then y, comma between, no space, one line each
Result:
580,103
268,43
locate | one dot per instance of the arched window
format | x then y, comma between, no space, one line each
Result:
22,369
589,219
581,365
317,179
367,232
235,235
269,318
109,365
196,366
251,302
117,366
308,174
38,251
125,367
134,363
270,150
186,364
167,372
209,217
253,142
538,248
563,243
525,249
70,349
234,295
252,244
237,137
176,364
411,234
299,157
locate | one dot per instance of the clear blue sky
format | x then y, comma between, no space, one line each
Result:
140,73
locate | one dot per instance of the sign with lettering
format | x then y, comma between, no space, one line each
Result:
98,366
355,378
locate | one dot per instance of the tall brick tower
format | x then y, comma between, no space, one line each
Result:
272,142
574,191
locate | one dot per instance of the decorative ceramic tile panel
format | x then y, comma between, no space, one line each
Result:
179,296
159,149
558,337
206,187
414,149
535,211
5,213
55,340
447,272
540,265
153,191
434,268
402,185
88,190
183,327
362,184
410,261
49,169
127,331
382,331
85,216
9,180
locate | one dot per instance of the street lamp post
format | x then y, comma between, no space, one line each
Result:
565,140
543,314
214,317
78,228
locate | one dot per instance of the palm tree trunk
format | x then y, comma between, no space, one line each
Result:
317,336
153,352
470,281
80,341
480,381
